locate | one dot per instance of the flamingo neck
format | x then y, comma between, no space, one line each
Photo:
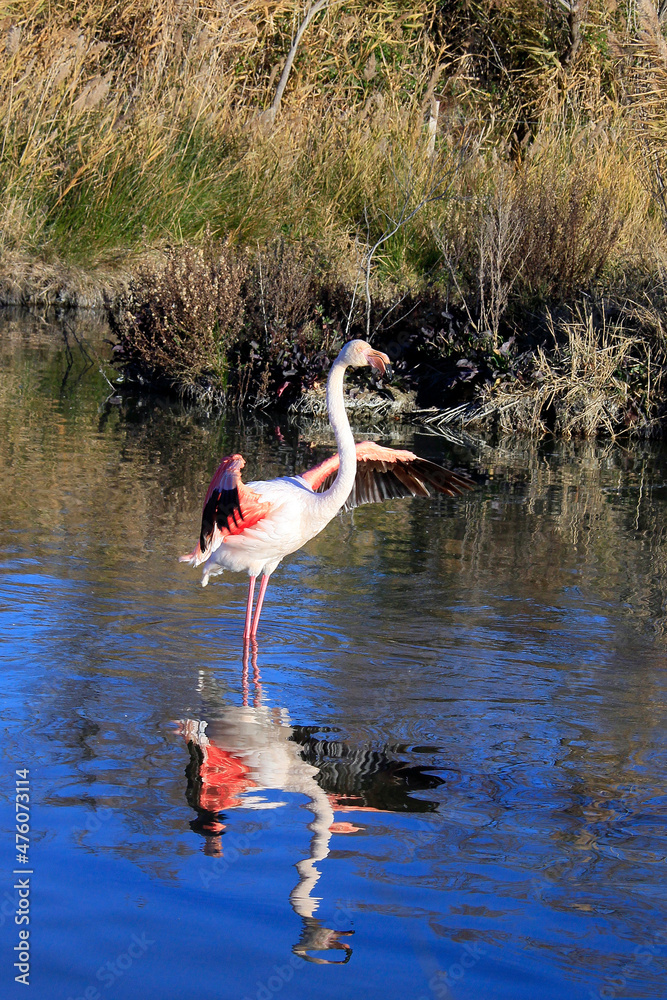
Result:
341,487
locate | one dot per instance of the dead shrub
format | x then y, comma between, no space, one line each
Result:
535,234
283,290
501,233
180,319
288,339
224,326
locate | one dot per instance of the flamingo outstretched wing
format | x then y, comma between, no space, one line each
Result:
229,508
385,473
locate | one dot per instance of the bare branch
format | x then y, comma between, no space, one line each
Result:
432,126
269,116
576,11
436,189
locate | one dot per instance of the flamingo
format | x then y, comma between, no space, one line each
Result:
251,527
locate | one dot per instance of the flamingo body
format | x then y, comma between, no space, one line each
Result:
251,527
256,544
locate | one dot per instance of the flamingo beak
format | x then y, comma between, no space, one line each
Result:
378,360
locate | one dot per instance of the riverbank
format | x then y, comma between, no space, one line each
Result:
259,330
480,191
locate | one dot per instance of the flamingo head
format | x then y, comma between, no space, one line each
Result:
358,354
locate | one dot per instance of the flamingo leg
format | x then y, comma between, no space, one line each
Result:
258,609
248,610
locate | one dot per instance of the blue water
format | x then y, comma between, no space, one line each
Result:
441,775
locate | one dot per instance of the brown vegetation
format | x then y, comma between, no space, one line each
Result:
132,130
596,377
221,326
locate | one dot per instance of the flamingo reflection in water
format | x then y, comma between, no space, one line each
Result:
245,750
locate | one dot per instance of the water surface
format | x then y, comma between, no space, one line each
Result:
442,772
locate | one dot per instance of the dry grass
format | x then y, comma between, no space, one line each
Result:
570,217
643,54
140,122
135,124
596,379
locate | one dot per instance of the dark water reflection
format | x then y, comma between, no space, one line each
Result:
444,774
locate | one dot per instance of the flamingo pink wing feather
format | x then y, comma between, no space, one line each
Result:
384,473
366,451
